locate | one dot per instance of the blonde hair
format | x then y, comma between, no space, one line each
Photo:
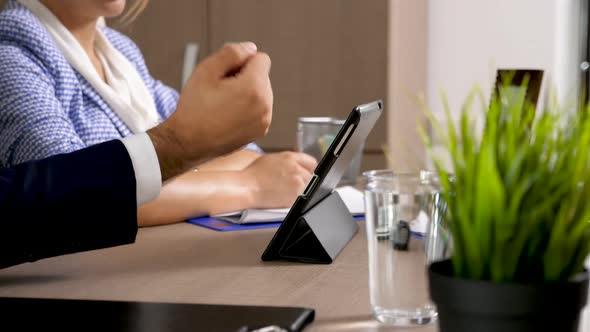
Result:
133,11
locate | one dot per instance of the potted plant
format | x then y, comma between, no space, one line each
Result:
518,195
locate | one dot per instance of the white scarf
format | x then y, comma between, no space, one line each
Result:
126,93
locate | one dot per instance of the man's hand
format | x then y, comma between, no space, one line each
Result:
226,104
278,178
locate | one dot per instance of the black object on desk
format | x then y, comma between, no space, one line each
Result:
29,314
319,225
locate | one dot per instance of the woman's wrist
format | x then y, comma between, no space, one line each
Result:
253,187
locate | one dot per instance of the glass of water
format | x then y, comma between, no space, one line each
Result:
405,232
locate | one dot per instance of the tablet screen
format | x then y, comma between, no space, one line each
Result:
341,152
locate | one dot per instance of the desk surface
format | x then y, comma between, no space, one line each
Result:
190,264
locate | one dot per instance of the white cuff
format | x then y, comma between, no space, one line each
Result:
148,177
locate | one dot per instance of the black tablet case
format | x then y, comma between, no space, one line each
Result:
317,228
29,314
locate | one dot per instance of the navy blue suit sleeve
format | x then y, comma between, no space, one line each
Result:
68,203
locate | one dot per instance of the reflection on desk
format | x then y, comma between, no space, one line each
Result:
187,264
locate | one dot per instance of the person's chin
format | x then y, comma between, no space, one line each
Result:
113,8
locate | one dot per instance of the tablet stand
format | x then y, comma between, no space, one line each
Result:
321,233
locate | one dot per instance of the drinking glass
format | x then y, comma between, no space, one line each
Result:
405,232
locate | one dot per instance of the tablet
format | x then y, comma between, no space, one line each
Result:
68,315
329,170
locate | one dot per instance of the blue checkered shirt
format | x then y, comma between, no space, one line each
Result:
46,106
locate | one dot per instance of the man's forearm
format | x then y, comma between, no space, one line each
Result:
169,150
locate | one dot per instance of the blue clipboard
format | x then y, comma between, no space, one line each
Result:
226,226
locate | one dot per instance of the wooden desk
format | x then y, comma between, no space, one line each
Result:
187,263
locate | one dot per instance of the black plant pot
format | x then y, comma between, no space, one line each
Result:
469,305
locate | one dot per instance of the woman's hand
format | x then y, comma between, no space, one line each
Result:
278,178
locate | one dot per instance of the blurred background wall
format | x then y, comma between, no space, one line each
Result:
469,40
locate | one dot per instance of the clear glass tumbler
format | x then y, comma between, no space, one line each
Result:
314,136
405,232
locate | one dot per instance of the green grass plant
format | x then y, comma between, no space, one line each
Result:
518,193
